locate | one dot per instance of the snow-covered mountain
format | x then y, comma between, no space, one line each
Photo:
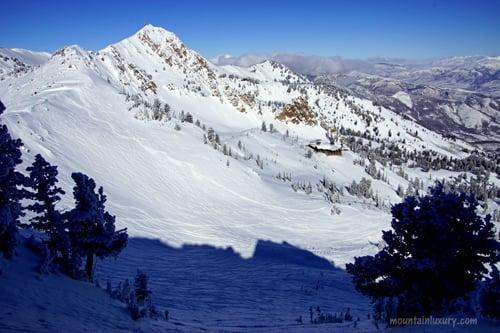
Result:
471,73
16,61
190,152
458,96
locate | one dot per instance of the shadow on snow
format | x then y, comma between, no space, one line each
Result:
212,286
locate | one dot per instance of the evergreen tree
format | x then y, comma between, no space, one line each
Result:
46,194
400,192
211,134
435,253
166,110
489,296
10,193
91,228
156,109
188,118
141,289
133,308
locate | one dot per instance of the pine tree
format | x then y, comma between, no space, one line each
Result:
10,194
45,194
211,134
489,296
141,289
435,253
166,110
133,308
91,228
400,192
188,118
156,109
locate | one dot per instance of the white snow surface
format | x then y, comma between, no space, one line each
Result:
404,98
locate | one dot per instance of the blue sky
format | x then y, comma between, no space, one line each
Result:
348,28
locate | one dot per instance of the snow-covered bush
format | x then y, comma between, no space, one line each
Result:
42,250
138,297
435,254
317,316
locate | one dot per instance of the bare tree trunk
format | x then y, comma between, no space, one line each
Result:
89,266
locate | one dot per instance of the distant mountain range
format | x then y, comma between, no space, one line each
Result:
458,96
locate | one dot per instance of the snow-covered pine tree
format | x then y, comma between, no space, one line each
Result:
45,194
91,228
133,308
371,169
188,118
211,134
141,289
438,237
156,109
166,110
489,296
308,188
400,191
10,194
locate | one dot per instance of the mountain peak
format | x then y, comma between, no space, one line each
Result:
70,50
158,32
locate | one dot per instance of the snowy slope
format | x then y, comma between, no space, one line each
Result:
167,184
34,302
77,109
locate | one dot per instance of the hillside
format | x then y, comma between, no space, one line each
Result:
456,96
34,302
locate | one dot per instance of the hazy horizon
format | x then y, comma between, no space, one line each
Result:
351,30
